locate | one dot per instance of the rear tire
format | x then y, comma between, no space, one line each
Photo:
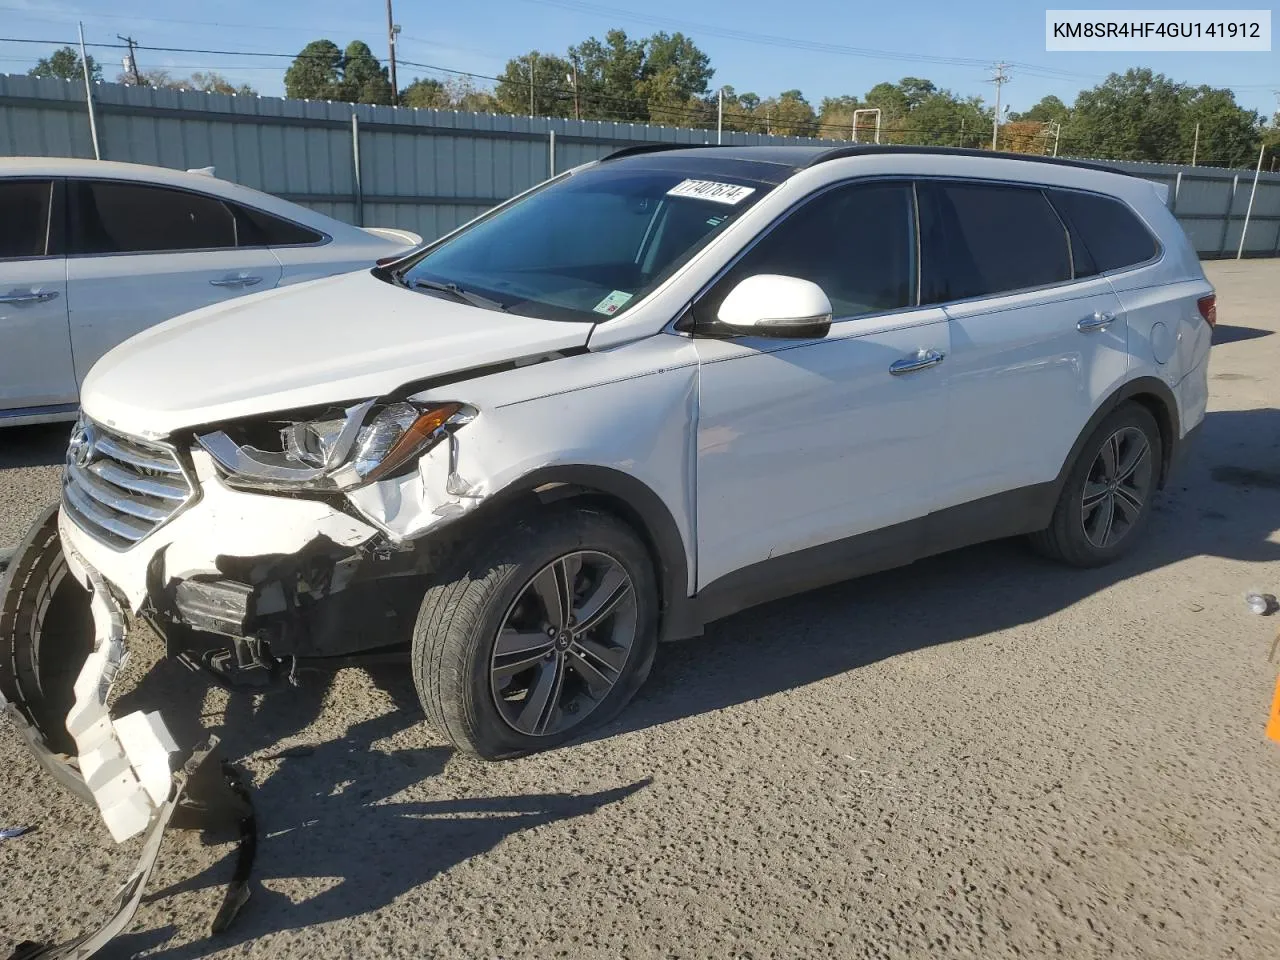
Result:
498,673
1106,500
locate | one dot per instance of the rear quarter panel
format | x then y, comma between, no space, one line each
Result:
1168,338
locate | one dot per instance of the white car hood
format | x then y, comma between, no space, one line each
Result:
347,337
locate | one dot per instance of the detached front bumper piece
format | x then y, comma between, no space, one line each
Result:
124,764
62,643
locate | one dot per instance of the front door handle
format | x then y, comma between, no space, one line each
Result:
919,360
240,281
28,296
1099,321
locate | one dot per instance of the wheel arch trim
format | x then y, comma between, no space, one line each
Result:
1162,404
641,507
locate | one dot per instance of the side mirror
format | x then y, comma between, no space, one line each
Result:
771,305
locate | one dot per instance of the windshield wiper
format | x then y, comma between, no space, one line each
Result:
466,296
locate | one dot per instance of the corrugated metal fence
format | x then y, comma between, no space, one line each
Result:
430,170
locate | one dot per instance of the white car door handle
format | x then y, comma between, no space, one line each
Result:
1099,321
28,296
240,281
920,360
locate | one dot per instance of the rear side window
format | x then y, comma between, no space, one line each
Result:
24,217
856,242
1111,234
980,240
257,229
120,217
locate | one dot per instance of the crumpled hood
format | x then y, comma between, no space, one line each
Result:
347,337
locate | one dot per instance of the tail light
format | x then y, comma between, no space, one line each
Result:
1209,309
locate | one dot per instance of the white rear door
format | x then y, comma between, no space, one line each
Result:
140,254
1033,349
36,370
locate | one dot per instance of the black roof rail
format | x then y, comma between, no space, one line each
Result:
652,148
857,149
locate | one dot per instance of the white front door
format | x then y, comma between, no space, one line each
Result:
35,353
809,443
1035,345
141,254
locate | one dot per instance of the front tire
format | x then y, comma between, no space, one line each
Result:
1107,498
544,633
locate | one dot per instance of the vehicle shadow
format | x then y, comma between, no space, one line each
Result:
1224,501
328,814
40,445
1225,333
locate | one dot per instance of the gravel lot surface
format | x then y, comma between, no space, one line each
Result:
981,755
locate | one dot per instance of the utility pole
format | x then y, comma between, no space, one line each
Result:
132,62
577,106
531,67
1195,146
1000,79
88,96
720,115
392,30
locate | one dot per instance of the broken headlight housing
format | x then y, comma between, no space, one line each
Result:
336,451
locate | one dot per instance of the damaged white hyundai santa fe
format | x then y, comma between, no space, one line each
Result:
650,392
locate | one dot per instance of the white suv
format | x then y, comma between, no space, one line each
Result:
648,393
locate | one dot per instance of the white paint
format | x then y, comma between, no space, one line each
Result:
341,337
125,764
767,300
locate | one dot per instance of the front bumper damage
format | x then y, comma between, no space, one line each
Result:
124,766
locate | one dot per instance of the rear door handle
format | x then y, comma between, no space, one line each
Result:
920,360
28,296
1099,321
240,281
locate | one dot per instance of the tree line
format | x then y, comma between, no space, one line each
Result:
666,79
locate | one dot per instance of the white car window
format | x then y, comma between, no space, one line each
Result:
24,211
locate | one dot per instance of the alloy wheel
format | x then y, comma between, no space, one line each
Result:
563,643
1117,487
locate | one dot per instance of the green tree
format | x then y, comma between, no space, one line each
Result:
609,76
1141,115
1229,134
789,114
1049,109
548,75
315,73
364,78
890,99
835,116
65,65
426,93
674,68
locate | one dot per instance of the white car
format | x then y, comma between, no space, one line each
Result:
91,252
651,392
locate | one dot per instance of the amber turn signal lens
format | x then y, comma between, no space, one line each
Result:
414,440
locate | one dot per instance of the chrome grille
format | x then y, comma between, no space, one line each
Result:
118,489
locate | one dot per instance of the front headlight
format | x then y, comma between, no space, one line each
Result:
365,443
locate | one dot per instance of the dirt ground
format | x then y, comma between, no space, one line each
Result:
981,755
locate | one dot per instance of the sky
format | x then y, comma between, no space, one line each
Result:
822,47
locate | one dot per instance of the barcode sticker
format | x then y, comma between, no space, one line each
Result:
729,193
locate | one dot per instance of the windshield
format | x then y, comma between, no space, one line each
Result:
588,247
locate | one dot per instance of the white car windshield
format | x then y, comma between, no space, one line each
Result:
590,246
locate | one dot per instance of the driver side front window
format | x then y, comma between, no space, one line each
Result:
856,242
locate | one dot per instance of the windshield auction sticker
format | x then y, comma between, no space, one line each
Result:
613,302
729,193
1215,31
